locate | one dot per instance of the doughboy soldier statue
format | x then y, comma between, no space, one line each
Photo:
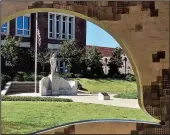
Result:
53,63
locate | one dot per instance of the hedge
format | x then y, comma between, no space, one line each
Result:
28,98
130,77
4,80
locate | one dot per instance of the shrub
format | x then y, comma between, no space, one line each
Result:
91,75
27,98
130,77
4,80
21,73
39,77
27,73
116,76
78,75
96,76
44,74
66,75
105,76
19,77
122,76
28,78
31,77
12,74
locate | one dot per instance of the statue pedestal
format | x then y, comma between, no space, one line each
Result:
44,84
55,83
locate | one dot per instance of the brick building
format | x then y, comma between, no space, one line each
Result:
107,53
52,29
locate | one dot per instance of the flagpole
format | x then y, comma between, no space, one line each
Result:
36,25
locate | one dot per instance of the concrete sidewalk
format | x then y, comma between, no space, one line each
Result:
92,98
130,103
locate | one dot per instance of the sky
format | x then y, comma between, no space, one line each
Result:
98,37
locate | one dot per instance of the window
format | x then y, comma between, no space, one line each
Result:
23,26
62,65
64,28
61,26
51,29
5,29
66,66
58,19
7,63
70,33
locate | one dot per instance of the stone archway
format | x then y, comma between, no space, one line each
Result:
141,28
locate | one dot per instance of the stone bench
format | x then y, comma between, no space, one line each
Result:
103,96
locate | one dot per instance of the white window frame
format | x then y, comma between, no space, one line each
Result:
61,26
49,32
22,35
58,33
65,33
7,33
72,30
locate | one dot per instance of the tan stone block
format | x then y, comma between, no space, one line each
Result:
80,9
105,13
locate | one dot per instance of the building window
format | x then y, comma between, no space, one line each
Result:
5,29
51,28
64,34
61,26
71,30
8,64
58,19
23,26
62,65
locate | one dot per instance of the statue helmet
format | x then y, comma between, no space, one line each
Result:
54,55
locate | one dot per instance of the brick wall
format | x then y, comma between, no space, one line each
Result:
80,30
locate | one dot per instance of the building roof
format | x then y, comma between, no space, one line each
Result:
105,51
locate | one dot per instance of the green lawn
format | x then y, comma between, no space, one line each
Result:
124,89
26,117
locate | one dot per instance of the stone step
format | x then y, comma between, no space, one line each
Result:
3,92
6,87
23,87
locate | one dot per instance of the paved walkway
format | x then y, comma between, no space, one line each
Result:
92,98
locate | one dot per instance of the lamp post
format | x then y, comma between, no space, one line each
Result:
105,65
125,59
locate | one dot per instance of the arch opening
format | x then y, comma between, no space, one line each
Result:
101,25
121,42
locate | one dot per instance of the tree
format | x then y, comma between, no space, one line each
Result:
43,57
11,51
115,62
71,50
93,62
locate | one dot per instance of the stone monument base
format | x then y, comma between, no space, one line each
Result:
53,85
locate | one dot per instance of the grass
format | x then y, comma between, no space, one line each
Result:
26,117
129,95
124,89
